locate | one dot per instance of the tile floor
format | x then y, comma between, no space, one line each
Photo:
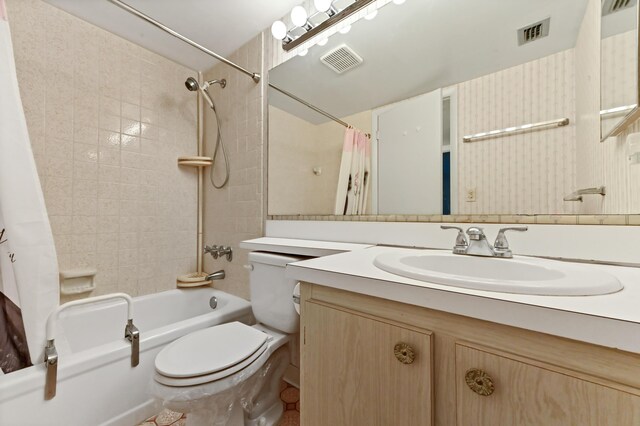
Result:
290,396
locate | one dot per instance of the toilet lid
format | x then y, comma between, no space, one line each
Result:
210,350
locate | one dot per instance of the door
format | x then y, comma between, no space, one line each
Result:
409,152
351,376
524,394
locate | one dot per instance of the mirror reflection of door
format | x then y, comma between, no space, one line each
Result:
409,156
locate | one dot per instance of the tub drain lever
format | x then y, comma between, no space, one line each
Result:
132,334
51,362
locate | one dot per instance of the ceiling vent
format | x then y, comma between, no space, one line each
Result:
533,32
341,59
613,6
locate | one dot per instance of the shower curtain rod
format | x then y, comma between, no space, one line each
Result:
253,75
307,104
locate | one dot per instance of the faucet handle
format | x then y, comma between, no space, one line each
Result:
501,245
461,239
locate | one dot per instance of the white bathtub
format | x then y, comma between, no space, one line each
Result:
96,383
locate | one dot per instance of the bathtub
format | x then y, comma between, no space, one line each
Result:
96,383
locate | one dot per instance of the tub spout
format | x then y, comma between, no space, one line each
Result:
218,275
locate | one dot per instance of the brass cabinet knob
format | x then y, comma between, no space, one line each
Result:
479,382
404,353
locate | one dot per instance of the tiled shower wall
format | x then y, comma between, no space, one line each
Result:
107,121
236,212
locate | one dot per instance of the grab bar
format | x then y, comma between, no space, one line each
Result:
577,195
131,333
516,129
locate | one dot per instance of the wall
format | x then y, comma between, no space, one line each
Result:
236,212
296,147
524,173
107,120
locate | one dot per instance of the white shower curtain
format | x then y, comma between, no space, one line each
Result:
28,264
355,171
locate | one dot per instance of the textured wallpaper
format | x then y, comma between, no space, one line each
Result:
523,173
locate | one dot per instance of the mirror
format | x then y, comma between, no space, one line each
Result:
470,106
618,65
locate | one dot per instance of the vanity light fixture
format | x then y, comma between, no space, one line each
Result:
303,52
300,19
322,42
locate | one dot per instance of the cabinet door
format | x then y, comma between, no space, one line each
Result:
351,376
526,394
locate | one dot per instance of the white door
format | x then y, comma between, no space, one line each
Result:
409,156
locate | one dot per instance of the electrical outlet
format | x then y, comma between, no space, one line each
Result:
471,195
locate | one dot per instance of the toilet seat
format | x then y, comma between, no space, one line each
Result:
210,354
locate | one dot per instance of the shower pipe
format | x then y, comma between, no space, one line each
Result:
134,11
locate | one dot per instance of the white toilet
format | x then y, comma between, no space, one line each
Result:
230,373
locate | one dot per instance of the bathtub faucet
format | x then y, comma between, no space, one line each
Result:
219,251
218,275
131,333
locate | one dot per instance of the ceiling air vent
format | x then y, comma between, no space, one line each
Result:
341,59
533,32
612,6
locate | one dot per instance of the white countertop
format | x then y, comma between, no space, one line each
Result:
300,247
611,320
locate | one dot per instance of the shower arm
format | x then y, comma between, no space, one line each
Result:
136,12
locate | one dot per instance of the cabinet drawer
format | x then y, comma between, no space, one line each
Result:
498,389
354,373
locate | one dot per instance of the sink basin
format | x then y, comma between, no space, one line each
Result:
521,275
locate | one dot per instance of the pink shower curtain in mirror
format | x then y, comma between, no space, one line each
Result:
28,264
355,171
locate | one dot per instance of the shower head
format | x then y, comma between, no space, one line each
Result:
192,85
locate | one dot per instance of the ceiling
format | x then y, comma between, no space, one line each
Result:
420,46
220,25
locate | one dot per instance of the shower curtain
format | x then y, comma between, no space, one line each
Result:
355,170
28,264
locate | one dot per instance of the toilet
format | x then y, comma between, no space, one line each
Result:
230,373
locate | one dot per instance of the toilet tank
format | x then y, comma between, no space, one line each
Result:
272,292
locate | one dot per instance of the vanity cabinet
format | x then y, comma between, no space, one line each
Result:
465,372
360,370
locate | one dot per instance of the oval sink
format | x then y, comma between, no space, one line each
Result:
521,275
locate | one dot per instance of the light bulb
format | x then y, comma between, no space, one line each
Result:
399,1
345,29
279,30
323,42
322,5
299,16
372,15
303,52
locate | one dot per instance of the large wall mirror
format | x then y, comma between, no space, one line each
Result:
463,107
619,89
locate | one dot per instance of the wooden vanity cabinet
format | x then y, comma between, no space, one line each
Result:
360,370
465,372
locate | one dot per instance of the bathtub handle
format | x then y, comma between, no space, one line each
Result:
132,334
51,362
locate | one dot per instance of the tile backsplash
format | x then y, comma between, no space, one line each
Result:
107,120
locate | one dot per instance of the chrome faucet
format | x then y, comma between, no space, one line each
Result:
219,251
478,245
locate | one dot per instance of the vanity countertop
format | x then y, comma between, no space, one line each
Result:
611,320
300,247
